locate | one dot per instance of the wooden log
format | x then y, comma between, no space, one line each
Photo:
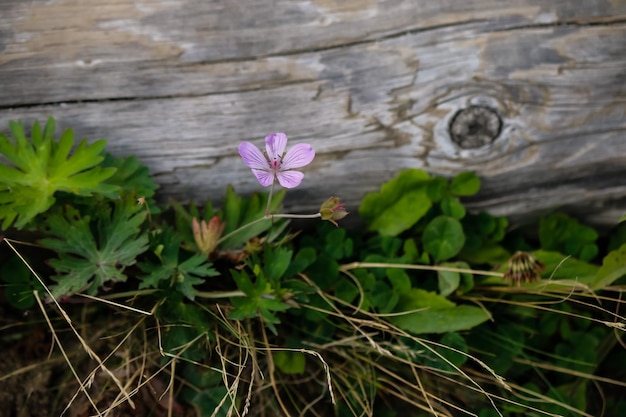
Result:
529,94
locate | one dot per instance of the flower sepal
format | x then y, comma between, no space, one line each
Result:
333,210
207,235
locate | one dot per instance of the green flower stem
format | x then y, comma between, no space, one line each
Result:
220,294
201,294
269,199
252,223
296,216
269,217
356,265
128,294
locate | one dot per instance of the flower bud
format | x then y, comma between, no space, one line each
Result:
207,235
332,210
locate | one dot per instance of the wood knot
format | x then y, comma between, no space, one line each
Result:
475,126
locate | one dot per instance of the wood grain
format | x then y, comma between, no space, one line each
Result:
372,85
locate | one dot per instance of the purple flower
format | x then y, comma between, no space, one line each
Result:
275,163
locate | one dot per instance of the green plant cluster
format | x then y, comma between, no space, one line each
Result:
348,316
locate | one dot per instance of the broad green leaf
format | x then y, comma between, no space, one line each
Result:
437,314
443,237
467,280
291,363
465,184
560,232
453,353
400,203
448,280
451,206
399,279
437,188
491,254
561,267
613,268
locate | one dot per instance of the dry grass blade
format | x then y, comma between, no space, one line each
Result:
66,317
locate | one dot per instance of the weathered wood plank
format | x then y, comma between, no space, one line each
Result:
374,85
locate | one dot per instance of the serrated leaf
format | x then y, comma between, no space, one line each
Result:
276,262
36,169
130,175
86,261
171,270
260,300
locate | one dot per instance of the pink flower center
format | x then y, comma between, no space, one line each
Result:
275,163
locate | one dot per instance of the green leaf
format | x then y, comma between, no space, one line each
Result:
613,267
206,392
276,262
345,290
130,176
400,280
34,170
453,351
561,267
465,184
302,260
399,205
489,254
88,259
437,189
291,363
184,340
437,315
449,281
451,206
20,284
324,271
238,212
443,237
260,300
560,232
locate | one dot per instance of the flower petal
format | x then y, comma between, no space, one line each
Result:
265,178
289,179
275,145
252,156
300,155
